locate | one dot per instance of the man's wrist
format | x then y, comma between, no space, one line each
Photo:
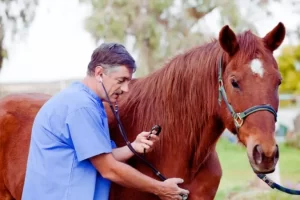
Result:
157,187
133,144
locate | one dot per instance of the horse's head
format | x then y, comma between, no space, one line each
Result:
250,79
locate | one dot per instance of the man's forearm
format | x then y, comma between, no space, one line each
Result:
127,176
122,154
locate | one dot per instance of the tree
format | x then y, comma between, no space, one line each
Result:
289,65
15,17
161,28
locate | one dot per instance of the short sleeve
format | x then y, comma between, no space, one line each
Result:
113,144
89,133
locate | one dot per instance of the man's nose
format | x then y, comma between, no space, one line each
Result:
125,87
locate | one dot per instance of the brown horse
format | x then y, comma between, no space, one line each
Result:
192,100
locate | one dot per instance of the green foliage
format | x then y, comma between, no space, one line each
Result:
17,14
159,27
15,17
158,31
287,62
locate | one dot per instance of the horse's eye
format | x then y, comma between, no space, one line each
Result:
234,84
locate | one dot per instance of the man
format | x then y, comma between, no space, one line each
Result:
71,155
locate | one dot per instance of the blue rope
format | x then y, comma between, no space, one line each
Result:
273,185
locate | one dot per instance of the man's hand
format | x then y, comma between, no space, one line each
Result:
171,191
142,142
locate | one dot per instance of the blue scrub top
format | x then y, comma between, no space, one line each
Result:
68,130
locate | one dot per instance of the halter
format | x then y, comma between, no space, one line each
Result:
239,118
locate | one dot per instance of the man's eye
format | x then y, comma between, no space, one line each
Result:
120,81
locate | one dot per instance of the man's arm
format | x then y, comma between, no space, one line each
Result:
127,176
122,153
123,174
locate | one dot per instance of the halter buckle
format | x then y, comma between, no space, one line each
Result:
221,83
238,120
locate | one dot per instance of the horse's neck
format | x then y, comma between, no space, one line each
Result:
211,132
193,153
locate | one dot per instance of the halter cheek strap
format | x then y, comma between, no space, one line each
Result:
239,117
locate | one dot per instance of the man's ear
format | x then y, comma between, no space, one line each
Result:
99,70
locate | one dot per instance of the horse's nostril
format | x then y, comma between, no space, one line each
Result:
276,153
257,154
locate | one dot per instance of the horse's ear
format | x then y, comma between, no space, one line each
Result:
275,37
228,40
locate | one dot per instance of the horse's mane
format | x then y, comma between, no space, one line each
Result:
182,95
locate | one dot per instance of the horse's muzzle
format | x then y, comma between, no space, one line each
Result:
262,162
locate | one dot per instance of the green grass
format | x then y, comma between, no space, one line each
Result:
237,173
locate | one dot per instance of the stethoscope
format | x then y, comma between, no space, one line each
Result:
156,128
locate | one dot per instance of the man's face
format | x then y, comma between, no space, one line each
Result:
116,81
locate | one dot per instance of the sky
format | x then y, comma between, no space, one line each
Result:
58,47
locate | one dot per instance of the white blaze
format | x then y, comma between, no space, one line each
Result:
257,67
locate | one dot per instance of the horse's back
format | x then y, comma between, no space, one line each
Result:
19,108
17,112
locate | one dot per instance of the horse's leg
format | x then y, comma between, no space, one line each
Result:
206,183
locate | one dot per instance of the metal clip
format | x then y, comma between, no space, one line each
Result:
238,121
